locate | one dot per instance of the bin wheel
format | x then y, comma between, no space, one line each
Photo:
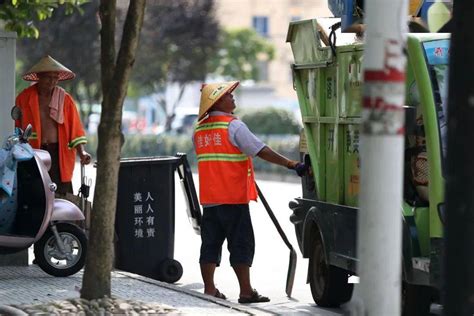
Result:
170,271
329,286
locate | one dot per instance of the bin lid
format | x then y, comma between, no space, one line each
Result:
149,160
306,43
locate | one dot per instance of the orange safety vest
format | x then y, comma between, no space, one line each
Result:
226,174
70,133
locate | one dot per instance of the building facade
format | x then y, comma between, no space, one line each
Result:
270,18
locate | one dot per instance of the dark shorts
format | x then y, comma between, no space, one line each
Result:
63,187
231,222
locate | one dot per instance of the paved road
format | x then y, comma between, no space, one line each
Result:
271,260
270,266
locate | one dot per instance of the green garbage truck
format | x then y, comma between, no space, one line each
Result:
328,80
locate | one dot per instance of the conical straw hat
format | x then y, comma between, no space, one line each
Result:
211,93
48,64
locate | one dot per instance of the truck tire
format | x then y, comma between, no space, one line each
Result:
416,300
329,286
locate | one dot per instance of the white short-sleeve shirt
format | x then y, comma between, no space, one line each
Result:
241,137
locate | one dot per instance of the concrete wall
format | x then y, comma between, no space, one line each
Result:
7,100
7,82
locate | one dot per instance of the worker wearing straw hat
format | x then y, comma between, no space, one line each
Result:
53,115
225,146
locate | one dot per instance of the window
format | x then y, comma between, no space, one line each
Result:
437,54
260,24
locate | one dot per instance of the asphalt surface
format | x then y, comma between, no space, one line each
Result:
30,285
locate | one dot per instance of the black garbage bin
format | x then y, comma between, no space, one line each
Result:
145,218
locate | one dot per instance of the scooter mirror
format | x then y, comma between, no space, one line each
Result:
16,113
27,133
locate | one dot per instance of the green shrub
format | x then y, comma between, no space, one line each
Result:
169,145
149,145
270,121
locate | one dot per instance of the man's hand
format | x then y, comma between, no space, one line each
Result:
85,157
299,167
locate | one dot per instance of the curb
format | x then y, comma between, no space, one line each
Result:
11,311
238,307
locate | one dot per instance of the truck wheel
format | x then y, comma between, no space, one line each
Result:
416,300
329,285
55,262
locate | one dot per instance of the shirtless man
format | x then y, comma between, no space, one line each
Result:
56,124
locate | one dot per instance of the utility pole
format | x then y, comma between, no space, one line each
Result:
459,259
382,143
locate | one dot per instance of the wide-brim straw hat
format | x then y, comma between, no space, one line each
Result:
48,64
211,93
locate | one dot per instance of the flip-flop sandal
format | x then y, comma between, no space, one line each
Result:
220,295
254,298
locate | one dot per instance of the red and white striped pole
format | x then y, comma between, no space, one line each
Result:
382,144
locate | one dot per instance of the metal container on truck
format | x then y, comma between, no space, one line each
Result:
328,81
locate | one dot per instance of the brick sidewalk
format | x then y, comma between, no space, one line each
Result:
30,285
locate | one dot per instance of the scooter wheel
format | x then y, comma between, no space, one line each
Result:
55,262
170,271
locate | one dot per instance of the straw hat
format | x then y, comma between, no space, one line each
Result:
211,93
48,64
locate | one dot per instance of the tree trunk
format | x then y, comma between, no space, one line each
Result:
170,116
115,77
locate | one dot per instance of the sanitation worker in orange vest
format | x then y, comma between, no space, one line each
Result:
56,124
225,147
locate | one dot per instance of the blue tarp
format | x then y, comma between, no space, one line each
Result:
12,152
343,9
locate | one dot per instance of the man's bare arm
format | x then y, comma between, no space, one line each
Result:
272,156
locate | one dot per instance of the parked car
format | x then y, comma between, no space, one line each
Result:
184,120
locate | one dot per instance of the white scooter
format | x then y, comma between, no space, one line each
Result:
30,213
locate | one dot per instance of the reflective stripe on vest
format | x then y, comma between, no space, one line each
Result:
222,157
214,125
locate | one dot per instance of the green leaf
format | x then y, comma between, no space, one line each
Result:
19,15
239,54
34,32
